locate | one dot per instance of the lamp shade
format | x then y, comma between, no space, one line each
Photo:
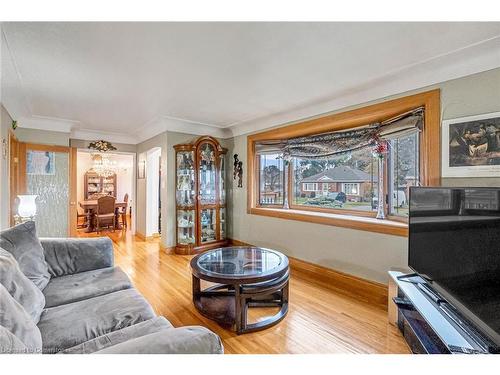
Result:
27,205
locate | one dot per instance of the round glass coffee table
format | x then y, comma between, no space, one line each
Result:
245,277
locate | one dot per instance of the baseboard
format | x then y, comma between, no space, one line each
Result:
167,249
143,237
365,290
233,242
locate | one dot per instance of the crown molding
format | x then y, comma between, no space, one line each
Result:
149,130
93,135
162,124
47,124
466,61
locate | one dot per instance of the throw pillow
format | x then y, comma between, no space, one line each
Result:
21,241
20,287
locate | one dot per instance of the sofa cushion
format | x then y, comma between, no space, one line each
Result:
10,344
84,285
20,287
21,241
67,256
183,340
18,322
137,330
69,325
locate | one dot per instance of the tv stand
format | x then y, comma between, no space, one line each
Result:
430,293
428,323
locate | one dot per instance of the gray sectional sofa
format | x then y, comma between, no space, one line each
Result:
66,296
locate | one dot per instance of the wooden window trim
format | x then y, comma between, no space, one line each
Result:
429,159
364,223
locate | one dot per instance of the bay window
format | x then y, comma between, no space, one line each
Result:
327,170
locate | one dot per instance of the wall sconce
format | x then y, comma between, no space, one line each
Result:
141,170
26,209
5,149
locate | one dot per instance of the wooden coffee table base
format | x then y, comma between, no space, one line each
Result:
228,304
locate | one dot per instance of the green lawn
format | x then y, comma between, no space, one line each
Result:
365,206
362,206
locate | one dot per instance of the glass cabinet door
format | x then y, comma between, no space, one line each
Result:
208,225
222,216
222,180
185,178
207,174
185,227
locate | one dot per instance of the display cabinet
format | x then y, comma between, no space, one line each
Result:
200,195
96,185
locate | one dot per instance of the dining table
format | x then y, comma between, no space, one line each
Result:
90,208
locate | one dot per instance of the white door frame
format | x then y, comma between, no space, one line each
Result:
152,190
133,218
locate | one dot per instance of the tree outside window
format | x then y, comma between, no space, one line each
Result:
271,179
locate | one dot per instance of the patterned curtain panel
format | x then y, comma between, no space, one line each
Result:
329,144
398,128
335,143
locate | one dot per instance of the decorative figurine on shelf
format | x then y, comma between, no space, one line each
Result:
207,157
204,219
187,161
184,183
380,151
240,174
187,199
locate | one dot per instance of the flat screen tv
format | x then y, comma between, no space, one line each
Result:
454,243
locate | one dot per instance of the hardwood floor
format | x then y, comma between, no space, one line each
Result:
320,319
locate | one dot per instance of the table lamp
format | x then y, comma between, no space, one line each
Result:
26,209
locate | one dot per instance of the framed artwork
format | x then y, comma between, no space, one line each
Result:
40,163
471,146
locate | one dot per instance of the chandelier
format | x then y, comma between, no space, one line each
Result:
103,166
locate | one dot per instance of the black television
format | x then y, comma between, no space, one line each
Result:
454,244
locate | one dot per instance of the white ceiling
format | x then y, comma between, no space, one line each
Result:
130,81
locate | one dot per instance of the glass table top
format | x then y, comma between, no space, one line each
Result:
240,261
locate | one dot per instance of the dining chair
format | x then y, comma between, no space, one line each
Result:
123,212
105,214
79,216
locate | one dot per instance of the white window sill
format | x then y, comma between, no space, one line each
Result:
371,224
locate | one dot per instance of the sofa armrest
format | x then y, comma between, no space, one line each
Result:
67,256
183,340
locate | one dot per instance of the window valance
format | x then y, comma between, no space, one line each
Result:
326,145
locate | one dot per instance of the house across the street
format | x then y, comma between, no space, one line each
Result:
354,183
